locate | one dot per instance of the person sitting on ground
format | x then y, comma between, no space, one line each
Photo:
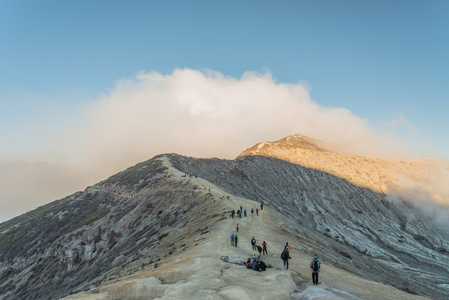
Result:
255,265
248,264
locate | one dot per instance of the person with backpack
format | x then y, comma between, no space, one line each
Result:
264,248
233,213
259,249
315,265
244,213
255,265
236,239
257,211
237,227
232,239
285,255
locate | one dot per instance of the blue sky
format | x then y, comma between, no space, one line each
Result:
385,61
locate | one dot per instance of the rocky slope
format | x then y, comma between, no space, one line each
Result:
148,231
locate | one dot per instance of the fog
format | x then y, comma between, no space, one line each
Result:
190,112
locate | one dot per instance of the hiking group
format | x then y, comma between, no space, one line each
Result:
255,262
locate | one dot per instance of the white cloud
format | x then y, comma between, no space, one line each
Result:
207,114
190,112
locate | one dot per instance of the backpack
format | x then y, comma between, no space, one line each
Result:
262,265
284,255
315,265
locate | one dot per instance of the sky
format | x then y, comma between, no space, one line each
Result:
97,86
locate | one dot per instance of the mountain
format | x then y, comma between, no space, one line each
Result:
152,231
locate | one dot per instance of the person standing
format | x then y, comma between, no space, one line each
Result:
236,239
244,213
233,213
285,255
315,265
252,211
253,243
257,211
264,248
232,239
261,205
237,227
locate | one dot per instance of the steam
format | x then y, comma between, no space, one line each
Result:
431,197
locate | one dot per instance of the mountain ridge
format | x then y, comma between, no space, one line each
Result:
168,209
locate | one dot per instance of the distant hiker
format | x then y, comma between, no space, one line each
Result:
241,208
252,211
261,205
264,247
253,243
240,214
237,227
232,239
315,265
244,214
233,213
236,239
285,255
257,211
259,249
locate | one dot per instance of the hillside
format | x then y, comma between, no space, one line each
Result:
150,231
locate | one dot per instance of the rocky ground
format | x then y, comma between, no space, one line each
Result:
200,273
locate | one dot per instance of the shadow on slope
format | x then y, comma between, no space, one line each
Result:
353,227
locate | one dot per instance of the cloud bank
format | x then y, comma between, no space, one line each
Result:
205,114
190,112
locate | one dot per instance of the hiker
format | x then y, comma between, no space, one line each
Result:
259,249
315,265
248,264
253,243
240,214
233,213
232,239
252,211
244,214
236,239
285,255
261,205
255,265
241,208
264,248
237,227
257,211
